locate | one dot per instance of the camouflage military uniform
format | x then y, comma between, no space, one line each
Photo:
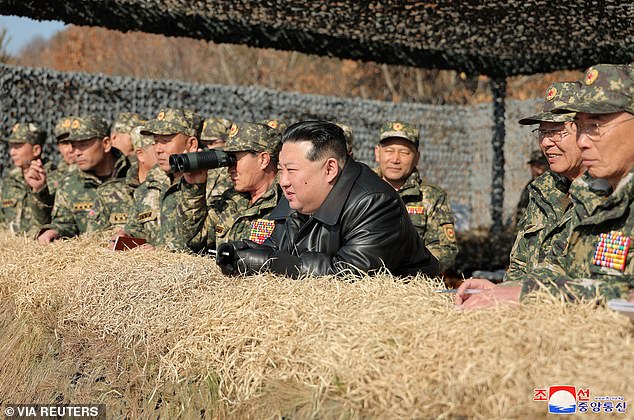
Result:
596,261
546,216
114,202
76,197
155,200
153,214
55,177
599,226
22,209
232,216
218,181
430,212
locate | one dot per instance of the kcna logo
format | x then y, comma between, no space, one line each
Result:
566,399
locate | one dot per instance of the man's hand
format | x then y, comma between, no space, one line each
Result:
47,236
491,295
35,175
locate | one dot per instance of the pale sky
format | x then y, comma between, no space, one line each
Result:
22,30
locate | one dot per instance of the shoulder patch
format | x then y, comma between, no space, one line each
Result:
611,251
450,232
146,216
9,202
261,229
416,209
83,206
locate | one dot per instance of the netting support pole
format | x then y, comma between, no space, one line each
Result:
498,88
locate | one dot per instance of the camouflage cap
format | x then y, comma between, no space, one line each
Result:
175,121
252,137
537,157
86,127
347,133
140,141
401,130
275,124
606,88
558,94
125,122
27,133
215,128
62,127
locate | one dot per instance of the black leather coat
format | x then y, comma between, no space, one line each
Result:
361,226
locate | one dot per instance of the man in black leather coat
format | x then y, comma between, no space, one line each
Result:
337,216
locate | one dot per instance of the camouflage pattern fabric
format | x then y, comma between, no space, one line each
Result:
252,137
153,216
431,214
218,181
170,121
27,133
79,128
229,218
215,128
55,177
548,212
276,124
125,122
592,263
401,130
75,198
114,202
558,94
606,88
24,211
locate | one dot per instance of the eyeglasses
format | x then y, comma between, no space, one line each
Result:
553,135
594,131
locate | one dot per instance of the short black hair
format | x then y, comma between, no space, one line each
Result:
327,139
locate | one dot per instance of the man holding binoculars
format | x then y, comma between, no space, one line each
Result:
240,213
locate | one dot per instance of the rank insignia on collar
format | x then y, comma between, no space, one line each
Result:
261,229
416,209
612,249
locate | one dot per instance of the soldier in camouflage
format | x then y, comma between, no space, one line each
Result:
397,155
25,208
240,213
549,207
116,201
595,262
121,131
66,164
155,201
214,135
101,168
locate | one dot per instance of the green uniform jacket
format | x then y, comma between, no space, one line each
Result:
229,218
548,212
76,196
597,259
114,202
22,210
431,214
218,181
153,216
57,176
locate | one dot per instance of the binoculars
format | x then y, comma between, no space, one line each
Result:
209,159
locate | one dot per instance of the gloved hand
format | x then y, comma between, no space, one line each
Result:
226,258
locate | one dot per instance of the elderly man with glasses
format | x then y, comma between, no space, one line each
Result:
595,261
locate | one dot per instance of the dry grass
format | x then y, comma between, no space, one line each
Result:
158,334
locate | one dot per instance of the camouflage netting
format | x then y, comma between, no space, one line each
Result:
498,38
456,140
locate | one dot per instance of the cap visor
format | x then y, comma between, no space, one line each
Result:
589,108
547,117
